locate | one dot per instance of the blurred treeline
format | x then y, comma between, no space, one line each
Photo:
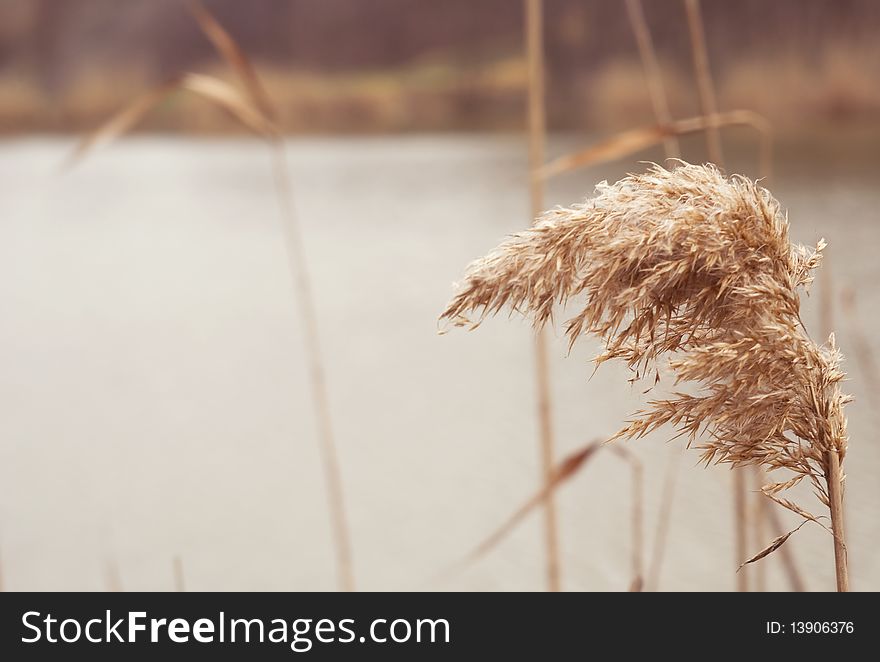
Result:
399,65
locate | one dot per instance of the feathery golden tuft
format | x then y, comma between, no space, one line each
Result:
696,268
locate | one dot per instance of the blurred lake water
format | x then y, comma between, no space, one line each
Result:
154,393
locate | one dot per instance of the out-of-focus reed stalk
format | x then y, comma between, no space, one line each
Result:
300,275
865,359
653,77
329,453
664,520
177,567
254,110
112,576
759,524
637,517
537,139
740,524
703,73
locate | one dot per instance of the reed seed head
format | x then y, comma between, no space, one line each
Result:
695,269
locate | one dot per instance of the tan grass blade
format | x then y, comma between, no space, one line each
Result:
234,55
212,89
795,578
561,473
793,507
766,517
633,141
123,121
537,139
772,547
228,98
623,144
659,103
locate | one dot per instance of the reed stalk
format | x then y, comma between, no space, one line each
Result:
537,138
299,272
254,110
664,520
740,525
638,526
656,90
300,275
112,576
708,104
177,568
834,480
637,517
861,343
759,524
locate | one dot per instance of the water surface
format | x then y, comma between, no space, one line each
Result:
154,393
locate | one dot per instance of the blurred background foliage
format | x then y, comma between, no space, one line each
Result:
421,65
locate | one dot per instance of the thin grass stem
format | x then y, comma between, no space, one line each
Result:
537,140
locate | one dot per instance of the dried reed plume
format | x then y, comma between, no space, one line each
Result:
695,268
